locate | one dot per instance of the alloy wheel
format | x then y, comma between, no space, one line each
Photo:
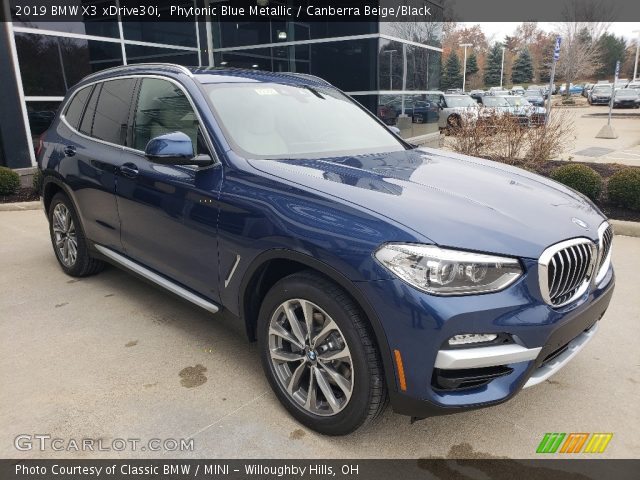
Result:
310,357
64,232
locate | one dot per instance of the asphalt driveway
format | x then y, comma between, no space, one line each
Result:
112,357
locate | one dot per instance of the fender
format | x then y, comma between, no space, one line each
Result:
333,274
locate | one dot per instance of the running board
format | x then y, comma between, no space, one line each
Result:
157,279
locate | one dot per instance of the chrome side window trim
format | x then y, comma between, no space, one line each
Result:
204,131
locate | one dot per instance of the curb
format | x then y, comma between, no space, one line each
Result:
624,227
20,206
620,227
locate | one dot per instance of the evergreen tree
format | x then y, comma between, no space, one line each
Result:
472,65
493,66
451,73
611,50
522,70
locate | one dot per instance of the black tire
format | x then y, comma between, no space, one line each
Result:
369,394
84,264
454,122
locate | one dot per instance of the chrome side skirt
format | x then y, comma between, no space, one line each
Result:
157,279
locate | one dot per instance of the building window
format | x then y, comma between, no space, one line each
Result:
51,65
144,54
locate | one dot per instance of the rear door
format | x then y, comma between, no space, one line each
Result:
97,150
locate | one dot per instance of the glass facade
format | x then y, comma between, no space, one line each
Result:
54,56
387,67
366,68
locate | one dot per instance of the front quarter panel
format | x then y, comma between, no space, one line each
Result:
259,213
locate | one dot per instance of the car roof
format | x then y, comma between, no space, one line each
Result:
207,75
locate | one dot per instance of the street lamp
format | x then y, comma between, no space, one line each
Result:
390,52
464,69
502,67
635,66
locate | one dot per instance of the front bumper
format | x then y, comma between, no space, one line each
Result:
418,326
600,101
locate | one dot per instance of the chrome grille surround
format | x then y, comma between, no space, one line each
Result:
605,239
565,270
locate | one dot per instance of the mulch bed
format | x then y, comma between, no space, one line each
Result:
25,194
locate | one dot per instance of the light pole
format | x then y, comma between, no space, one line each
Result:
502,67
390,52
635,66
464,68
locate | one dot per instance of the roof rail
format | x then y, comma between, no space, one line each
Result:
180,68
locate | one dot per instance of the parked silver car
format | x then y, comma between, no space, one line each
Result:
454,109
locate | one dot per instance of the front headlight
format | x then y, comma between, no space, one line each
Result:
441,271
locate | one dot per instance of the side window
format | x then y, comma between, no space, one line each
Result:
89,112
162,108
112,111
76,106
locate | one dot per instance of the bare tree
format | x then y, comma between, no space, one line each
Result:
583,25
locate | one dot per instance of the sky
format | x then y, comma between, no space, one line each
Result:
500,29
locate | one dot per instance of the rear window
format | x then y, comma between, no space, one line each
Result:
112,111
89,112
76,106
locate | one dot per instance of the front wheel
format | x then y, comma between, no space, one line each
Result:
319,355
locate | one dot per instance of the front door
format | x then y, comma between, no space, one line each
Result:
169,214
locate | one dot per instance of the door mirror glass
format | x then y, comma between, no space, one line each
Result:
175,148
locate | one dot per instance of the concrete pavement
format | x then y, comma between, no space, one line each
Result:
587,148
111,357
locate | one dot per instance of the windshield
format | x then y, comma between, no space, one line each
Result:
271,120
495,101
518,101
532,94
458,101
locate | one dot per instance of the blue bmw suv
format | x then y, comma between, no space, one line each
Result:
368,270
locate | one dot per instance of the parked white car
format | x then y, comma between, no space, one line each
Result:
454,109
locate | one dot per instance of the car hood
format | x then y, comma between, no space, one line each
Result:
452,200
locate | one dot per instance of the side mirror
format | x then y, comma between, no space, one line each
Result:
395,130
174,148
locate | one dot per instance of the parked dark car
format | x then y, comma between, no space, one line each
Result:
587,89
626,98
600,95
364,267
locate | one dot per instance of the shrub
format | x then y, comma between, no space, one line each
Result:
623,188
9,181
579,177
37,181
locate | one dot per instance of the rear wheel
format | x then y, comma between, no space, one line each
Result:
319,355
68,240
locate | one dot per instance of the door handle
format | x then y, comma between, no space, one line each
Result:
70,150
129,170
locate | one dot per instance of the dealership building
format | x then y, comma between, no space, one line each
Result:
388,67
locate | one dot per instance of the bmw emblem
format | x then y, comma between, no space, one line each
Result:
580,223
311,355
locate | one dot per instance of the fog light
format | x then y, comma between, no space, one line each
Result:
467,338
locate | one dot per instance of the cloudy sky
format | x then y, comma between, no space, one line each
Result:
500,29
